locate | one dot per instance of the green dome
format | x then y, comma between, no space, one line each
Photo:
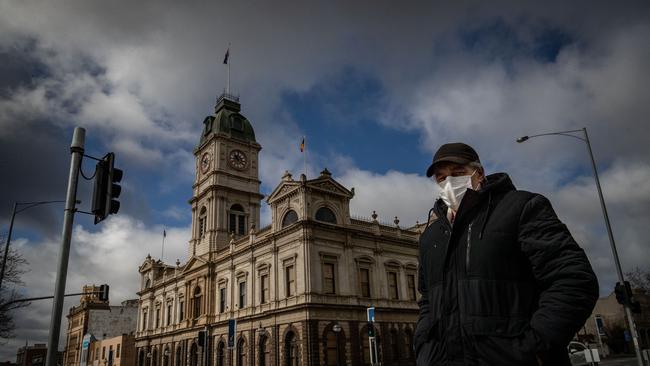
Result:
228,120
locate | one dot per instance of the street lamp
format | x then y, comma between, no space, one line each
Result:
11,227
617,262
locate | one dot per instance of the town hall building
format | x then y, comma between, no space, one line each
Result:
298,288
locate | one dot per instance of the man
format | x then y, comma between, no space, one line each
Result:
502,280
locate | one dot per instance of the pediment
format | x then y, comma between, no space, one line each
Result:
194,263
329,185
283,189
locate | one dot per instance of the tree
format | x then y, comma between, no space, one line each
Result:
639,279
14,269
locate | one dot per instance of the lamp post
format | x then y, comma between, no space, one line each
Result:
11,227
619,271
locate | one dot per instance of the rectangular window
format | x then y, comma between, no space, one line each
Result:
241,224
242,294
144,319
169,313
181,310
201,226
232,227
157,318
364,282
290,277
392,286
264,291
411,286
118,351
103,353
329,283
222,299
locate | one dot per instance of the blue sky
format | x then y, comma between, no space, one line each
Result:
375,92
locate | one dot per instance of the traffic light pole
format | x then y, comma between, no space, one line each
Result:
77,152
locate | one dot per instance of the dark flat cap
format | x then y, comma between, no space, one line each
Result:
455,152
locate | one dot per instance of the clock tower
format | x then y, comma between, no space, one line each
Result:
226,191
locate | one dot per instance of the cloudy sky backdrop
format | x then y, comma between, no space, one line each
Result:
374,86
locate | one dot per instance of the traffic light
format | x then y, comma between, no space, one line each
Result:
106,189
371,329
622,294
103,293
202,338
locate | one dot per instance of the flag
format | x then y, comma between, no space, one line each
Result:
164,233
225,58
302,145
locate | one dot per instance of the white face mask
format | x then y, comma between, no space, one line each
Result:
453,189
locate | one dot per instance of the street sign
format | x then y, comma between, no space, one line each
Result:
232,329
371,314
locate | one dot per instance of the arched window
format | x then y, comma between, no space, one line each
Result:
179,356
147,283
365,347
197,302
241,352
289,218
141,358
291,349
194,355
165,357
326,215
394,347
331,348
221,354
264,351
237,220
203,221
408,343
154,357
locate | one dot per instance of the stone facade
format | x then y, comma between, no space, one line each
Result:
291,285
116,351
98,319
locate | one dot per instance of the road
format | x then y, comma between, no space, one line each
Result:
623,361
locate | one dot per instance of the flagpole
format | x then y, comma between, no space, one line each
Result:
162,254
304,156
228,87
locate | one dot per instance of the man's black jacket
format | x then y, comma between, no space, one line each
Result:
506,284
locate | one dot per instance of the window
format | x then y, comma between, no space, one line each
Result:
241,352
394,346
144,319
289,218
221,354
202,222
179,356
408,343
392,285
291,349
365,347
264,351
364,281
197,302
237,220
411,286
331,349
103,353
264,290
157,318
118,351
329,283
222,299
181,310
290,279
326,215
169,312
242,294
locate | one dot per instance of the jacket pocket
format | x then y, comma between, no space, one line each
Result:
502,341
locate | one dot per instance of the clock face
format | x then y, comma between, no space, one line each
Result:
205,162
238,159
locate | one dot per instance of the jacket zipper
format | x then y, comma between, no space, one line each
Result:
469,246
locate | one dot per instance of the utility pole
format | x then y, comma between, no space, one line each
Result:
77,152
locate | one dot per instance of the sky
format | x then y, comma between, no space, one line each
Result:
375,88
